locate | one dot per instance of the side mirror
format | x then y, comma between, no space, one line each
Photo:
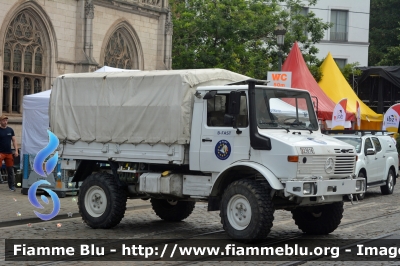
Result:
370,151
234,103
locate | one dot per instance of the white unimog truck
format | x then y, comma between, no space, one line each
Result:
181,136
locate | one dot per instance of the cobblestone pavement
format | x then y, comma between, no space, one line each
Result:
141,222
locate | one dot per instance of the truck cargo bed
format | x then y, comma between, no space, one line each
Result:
145,153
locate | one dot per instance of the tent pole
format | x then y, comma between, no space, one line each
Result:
380,97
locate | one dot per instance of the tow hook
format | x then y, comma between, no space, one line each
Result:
351,199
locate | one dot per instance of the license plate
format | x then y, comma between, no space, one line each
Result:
307,150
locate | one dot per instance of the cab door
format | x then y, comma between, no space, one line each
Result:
222,145
380,159
371,162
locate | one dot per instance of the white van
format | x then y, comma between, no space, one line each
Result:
377,160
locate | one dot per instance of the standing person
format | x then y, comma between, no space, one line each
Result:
6,136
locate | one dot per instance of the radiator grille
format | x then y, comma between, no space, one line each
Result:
346,151
343,165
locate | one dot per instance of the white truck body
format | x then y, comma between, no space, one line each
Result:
192,140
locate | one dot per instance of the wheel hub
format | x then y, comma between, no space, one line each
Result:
239,212
95,201
390,182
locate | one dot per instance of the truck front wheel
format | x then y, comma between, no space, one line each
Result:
319,220
247,211
172,210
101,202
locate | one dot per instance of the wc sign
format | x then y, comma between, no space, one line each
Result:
280,79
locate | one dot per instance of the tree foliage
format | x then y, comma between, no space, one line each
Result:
238,35
383,35
392,57
350,70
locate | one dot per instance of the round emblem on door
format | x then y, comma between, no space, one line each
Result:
329,165
222,149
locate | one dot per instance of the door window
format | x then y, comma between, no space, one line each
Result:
217,108
378,146
368,145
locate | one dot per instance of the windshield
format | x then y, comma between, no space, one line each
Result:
356,142
277,108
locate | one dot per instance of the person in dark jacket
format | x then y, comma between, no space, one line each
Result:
6,137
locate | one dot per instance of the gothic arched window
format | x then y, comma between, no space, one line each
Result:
6,91
7,56
28,59
37,86
17,58
23,60
118,53
16,94
27,86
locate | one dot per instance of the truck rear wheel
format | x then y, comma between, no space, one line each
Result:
389,187
247,211
101,202
172,210
319,220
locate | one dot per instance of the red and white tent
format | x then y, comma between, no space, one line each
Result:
302,79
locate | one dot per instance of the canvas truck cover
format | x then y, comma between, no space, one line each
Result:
129,107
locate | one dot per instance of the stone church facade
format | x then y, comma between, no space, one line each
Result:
42,39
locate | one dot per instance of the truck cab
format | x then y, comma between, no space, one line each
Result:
275,129
271,135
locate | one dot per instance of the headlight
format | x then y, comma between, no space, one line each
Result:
308,188
359,185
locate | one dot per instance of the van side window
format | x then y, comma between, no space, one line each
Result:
368,145
216,109
378,146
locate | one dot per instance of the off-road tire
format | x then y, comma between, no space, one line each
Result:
389,187
101,202
361,196
247,197
318,220
172,211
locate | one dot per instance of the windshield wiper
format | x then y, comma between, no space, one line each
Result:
303,127
278,126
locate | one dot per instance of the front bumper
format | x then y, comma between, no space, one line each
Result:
320,187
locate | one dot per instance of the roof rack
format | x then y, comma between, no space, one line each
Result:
246,81
356,132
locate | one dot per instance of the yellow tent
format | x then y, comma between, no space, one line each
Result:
336,87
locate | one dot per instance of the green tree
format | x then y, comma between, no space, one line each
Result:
384,17
350,70
238,34
392,56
